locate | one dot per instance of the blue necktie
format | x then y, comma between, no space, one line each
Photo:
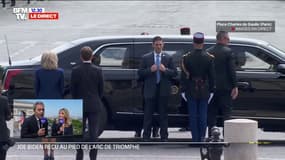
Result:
157,62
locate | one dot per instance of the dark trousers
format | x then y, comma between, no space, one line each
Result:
220,105
197,118
93,133
150,105
13,2
155,125
3,3
2,151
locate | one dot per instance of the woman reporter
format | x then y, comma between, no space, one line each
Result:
62,126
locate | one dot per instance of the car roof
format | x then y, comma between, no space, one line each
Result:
168,38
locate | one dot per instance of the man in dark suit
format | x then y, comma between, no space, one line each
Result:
5,115
35,125
87,84
157,69
226,82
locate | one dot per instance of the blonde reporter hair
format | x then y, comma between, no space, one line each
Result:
49,60
67,119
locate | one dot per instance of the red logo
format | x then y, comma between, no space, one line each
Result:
44,16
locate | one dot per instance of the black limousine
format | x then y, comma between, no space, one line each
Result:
260,69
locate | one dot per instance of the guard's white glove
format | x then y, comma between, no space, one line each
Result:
183,96
210,98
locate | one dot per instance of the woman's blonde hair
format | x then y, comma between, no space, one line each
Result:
67,119
49,60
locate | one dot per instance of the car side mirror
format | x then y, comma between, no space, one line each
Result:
96,59
281,68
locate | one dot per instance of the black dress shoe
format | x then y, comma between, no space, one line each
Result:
164,139
155,134
137,135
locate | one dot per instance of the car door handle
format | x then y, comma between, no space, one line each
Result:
243,84
246,86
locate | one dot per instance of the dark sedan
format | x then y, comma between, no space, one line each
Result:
260,68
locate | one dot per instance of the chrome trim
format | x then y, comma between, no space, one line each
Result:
141,113
261,118
250,74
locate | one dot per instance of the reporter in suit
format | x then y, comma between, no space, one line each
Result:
87,84
34,126
156,70
5,115
49,79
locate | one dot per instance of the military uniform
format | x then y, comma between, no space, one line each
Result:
197,81
198,71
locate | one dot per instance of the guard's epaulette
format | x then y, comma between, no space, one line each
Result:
187,54
212,56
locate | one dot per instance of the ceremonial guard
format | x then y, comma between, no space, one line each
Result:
198,83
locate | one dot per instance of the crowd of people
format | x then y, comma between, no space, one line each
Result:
208,78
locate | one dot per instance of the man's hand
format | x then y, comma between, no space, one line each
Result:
61,128
41,132
183,96
162,68
153,68
234,93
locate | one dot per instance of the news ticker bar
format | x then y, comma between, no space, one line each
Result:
124,145
245,26
267,142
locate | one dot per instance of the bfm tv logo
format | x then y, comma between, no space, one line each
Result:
34,14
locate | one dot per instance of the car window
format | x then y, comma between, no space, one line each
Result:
253,58
115,55
69,57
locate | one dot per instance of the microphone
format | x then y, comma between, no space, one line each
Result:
61,122
43,121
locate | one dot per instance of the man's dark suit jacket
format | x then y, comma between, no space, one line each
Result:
30,127
49,84
150,77
87,84
224,67
5,114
